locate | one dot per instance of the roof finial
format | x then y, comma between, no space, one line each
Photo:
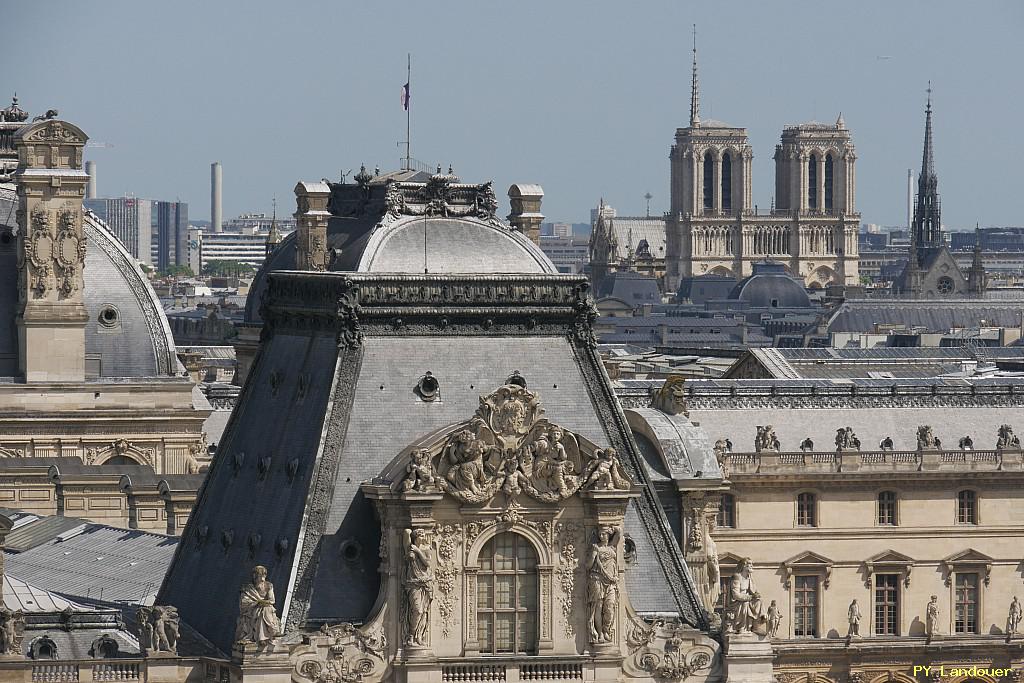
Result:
695,90
929,107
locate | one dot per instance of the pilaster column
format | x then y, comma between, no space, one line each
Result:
698,182
802,175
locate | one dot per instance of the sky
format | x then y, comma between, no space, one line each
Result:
582,97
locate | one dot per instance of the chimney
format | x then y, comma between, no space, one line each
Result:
526,217
90,189
215,197
311,225
51,315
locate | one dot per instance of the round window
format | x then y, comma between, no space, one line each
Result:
945,285
109,316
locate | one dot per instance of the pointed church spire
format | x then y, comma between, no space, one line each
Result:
976,276
273,236
694,88
927,227
928,159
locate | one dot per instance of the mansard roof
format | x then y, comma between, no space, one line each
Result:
331,402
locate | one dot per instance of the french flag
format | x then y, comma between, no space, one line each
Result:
405,97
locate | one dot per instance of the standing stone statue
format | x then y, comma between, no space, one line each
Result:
931,617
774,620
713,570
1013,618
12,628
418,584
158,628
748,611
257,615
603,585
853,614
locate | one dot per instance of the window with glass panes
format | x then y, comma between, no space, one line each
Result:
727,512
507,596
805,606
887,596
887,508
966,620
805,503
966,507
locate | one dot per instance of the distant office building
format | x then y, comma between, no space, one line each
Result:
259,222
561,229
131,221
568,253
245,247
170,234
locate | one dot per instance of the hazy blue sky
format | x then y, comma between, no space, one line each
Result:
581,97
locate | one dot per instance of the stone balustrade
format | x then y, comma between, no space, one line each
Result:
771,462
512,670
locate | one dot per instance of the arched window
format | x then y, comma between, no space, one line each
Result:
812,182
121,460
709,181
806,512
887,508
726,182
727,512
828,182
507,596
967,507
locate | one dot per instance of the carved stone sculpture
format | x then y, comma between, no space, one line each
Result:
419,473
604,473
886,444
257,616
12,628
807,445
846,440
158,628
774,617
926,440
966,443
748,611
603,585
1007,439
713,569
418,586
670,397
1013,619
931,617
766,439
854,616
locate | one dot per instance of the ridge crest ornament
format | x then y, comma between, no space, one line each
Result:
509,446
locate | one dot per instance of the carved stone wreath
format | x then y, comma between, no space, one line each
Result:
508,446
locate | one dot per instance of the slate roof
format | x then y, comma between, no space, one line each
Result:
630,230
932,316
98,564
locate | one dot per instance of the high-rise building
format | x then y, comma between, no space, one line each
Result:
170,234
131,221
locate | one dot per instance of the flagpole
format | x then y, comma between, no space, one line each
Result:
408,108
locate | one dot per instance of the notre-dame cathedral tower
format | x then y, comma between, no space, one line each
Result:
713,228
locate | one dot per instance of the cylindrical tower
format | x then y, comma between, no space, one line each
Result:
90,189
215,197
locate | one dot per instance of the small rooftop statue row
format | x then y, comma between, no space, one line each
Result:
846,440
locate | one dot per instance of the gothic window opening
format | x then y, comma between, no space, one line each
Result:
726,182
812,182
887,596
507,590
805,606
727,512
967,507
709,182
828,182
887,508
806,514
966,604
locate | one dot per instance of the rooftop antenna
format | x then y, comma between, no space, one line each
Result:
648,197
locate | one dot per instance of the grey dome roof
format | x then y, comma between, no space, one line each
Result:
770,286
138,344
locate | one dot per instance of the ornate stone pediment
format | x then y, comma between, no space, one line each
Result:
888,561
442,195
968,560
509,446
808,561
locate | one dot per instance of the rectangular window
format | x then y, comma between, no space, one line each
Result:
966,604
887,508
887,595
805,601
805,512
727,512
967,507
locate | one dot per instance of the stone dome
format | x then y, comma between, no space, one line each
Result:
127,334
770,286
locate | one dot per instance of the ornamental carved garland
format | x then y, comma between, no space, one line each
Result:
57,256
342,654
664,650
39,252
447,538
508,446
567,535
